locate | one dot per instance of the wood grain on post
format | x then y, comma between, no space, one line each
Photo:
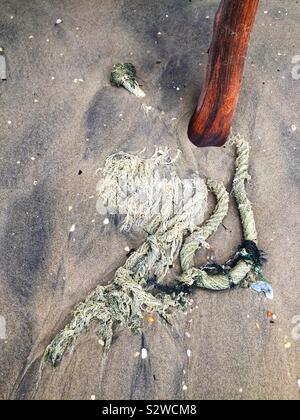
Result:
212,120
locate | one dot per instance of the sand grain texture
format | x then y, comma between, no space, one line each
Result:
45,270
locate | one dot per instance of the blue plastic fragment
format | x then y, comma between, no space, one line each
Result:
263,287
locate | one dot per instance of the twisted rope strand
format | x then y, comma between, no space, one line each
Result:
123,303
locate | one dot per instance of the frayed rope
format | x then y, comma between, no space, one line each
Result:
137,286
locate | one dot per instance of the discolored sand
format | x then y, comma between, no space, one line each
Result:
45,270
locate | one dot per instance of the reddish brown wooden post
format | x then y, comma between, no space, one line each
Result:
211,122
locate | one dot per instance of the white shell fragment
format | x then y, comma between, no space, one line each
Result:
2,65
72,228
144,354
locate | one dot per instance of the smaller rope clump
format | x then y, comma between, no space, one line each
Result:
124,74
138,286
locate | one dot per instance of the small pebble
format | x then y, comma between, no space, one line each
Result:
298,382
184,388
9,122
241,390
35,182
294,128
93,397
32,158
189,353
106,221
137,354
144,353
70,208
58,21
150,319
101,342
31,37
127,249
188,335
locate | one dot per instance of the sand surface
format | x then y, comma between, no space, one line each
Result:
59,127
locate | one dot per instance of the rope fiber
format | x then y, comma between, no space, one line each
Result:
138,287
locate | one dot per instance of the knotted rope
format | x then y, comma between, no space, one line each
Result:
137,286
